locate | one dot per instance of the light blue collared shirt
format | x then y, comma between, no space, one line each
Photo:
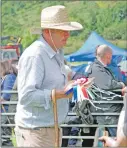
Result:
125,116
40,70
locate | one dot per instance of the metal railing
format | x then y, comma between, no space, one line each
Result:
62,125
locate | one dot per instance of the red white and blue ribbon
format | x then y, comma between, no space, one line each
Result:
80,93
73,88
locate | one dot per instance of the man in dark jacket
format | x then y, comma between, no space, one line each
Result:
104,79
103,76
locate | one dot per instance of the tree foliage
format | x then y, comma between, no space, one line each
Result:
108,18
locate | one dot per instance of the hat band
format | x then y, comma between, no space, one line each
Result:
47,24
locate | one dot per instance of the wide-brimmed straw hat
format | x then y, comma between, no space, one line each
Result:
56,17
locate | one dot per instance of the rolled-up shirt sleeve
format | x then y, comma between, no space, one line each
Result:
30,81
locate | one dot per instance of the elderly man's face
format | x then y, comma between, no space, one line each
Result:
59,37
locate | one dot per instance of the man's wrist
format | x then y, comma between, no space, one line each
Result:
59,94
112,143
124,90
123,85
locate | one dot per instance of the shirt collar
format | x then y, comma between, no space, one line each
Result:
51,53
102,63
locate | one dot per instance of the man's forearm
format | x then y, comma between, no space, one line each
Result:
61,94
121,138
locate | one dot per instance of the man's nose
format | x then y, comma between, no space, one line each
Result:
67,34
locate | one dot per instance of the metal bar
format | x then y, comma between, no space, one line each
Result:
74,114
63,137
86,125
7,136
78,137
69,125
10,91
7,125
95,114
8,114
99,102
9,102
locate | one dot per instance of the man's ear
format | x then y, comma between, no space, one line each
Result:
46,31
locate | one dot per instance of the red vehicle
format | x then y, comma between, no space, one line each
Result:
11,50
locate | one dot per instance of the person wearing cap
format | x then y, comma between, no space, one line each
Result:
40,70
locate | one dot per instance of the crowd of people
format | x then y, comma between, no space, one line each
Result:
41,68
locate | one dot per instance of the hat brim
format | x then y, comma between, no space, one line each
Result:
66,27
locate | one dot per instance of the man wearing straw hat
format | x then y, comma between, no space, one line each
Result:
41,69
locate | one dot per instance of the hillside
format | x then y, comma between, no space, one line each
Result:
109,19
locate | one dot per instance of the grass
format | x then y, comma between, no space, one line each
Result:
77,63
13,138
120,43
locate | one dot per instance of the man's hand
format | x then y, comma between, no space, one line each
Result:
124,90
109,142
59,94
62,94
2,100
123,85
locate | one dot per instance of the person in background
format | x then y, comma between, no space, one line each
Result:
40,70
123,67
14,63
8,75
115,68
104,79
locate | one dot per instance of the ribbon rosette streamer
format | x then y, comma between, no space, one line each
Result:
79,88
